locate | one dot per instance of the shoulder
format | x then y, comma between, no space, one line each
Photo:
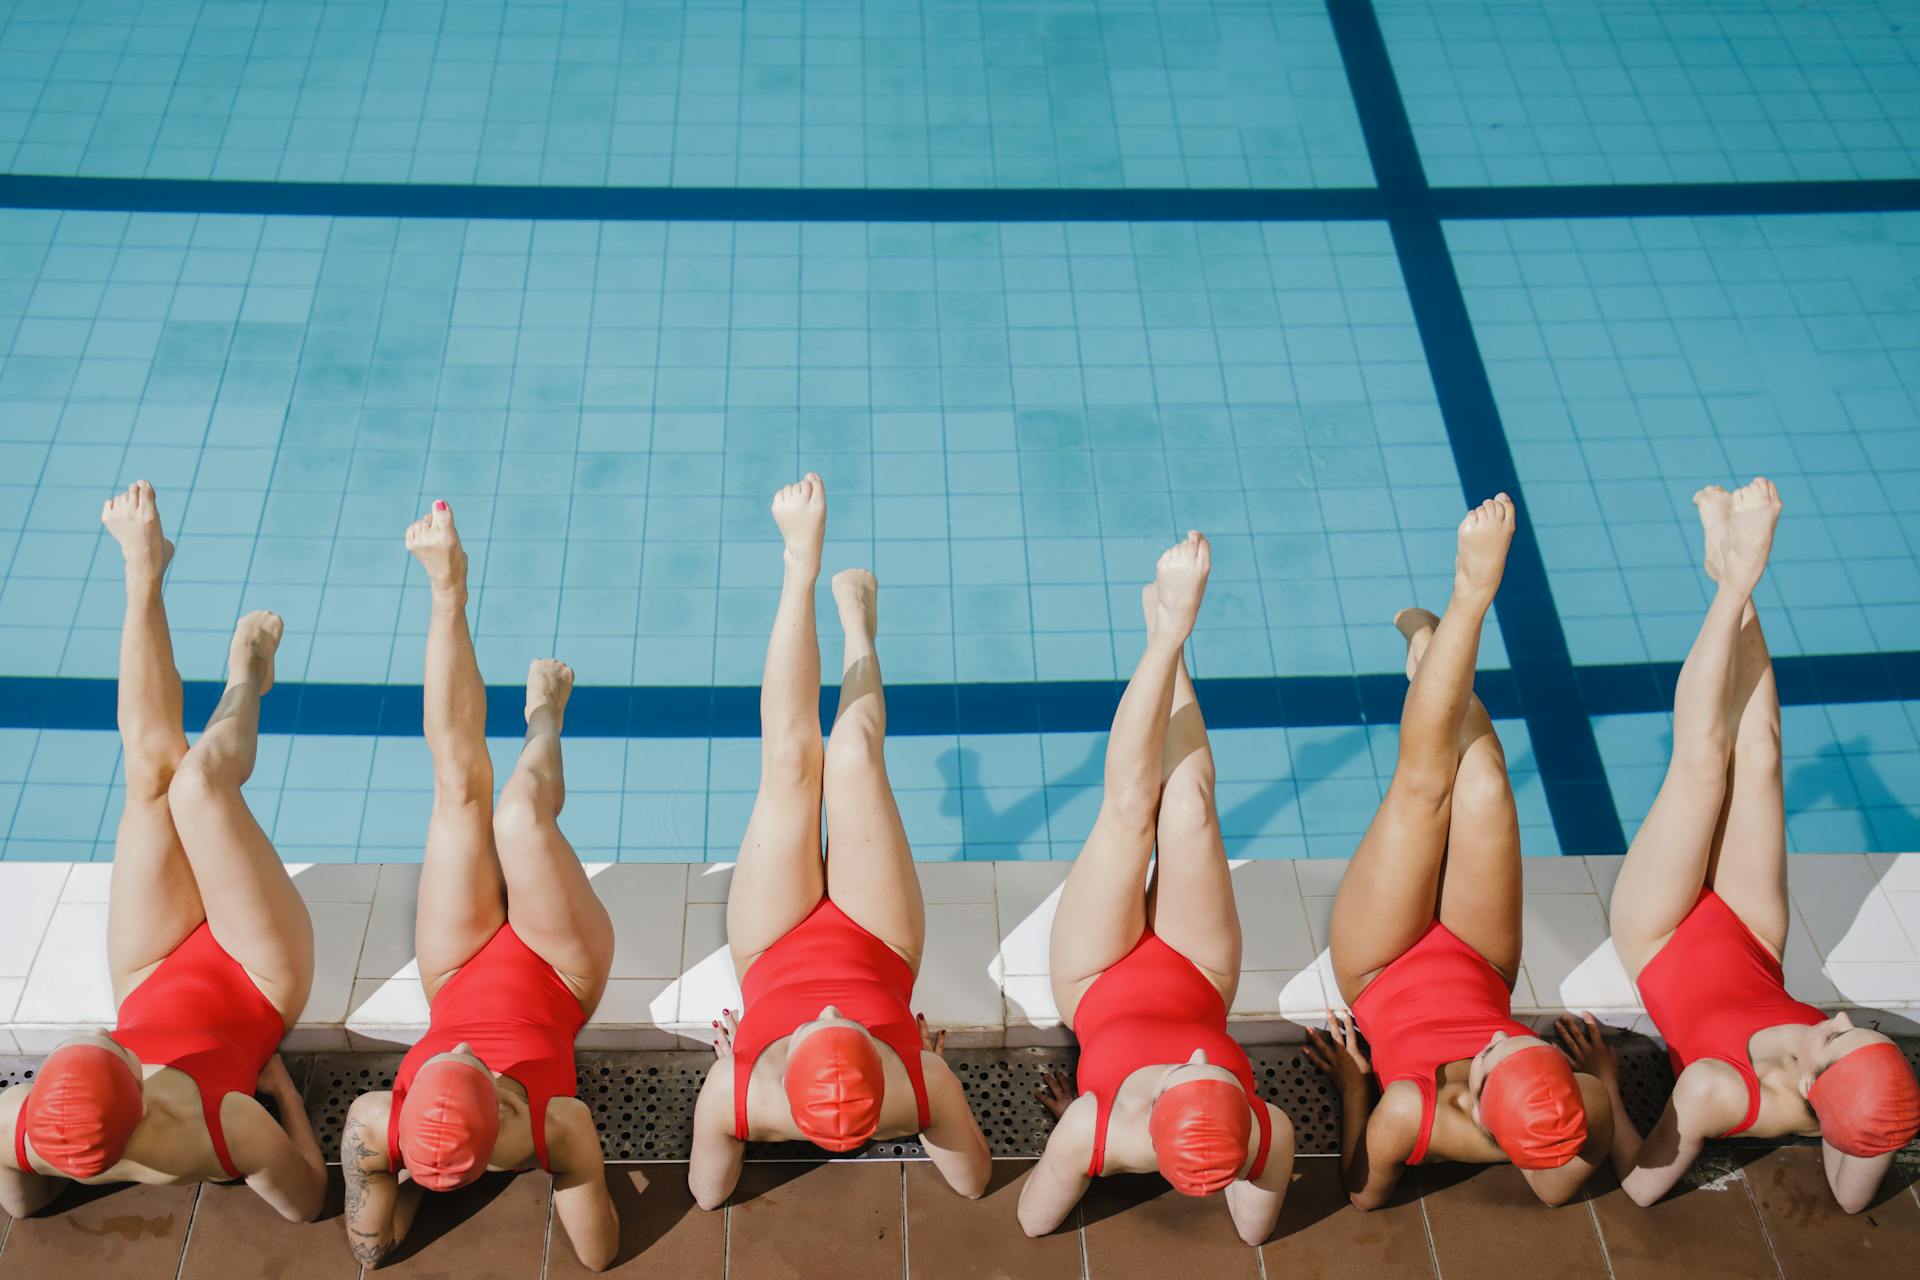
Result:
1709,1097
363,1139
1394,1127
1074,1131
571,1131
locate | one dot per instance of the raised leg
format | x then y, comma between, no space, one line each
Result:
1667,863
1749,864
1480,882
1190,904
870,872
463,894
780,877
254,911
549,901
153,903
1103,906
1391,892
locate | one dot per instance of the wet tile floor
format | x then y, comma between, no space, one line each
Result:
1762,1212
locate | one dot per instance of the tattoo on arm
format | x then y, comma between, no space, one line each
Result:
369,1249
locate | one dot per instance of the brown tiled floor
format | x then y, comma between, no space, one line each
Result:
1768,1215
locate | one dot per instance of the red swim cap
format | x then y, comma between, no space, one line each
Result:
448,1124
1199,1131
1532,1106
1868,1102
82,1109
834,1085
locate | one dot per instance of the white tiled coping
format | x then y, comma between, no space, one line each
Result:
1855,941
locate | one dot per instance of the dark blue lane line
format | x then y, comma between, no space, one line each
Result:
1571,771
921,710
843,204
713,204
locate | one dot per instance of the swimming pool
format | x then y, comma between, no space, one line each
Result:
1034,286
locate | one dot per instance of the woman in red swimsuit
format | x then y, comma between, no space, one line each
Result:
1144,974
514,950
826,1048
1426,937
1700,917
209,946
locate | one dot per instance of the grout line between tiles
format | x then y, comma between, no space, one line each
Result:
1760,1217
1426,1224
1080,1233
186,1241
906,1257
1600,1236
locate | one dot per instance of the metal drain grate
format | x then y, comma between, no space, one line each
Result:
643,1102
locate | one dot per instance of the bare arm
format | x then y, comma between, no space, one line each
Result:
1375,1140
580,1197
952,1138
281,1161
1585,1043
1255,1204
379,1208
1708,1099
713,1167
1060,1178
1854,1179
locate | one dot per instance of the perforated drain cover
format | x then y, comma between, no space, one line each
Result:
643,1102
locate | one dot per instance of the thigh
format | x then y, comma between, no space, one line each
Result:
1103,909
869,864
1480,881
153,902
779,878
1390,893
463,895
253,910
1665,869
1748,866
552,906
1190,904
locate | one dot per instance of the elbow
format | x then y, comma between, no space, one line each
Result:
1365,1202
598,1259
973,1183
1852,1204
710,1200
1641,1194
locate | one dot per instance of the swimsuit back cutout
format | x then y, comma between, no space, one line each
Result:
826,959
199,1012
1711,987
1439,1002
519,1017
1154,1008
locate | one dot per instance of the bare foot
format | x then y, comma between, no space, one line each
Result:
800,509
1752,512
1714,505
1417,625
857,593
1485,535
549,685
250,660
435,543
133,518
1180,581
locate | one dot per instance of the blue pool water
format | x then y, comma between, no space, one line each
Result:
1035,286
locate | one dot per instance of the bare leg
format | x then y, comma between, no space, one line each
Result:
870,872
153,903
254,911
1391,892
1668,860
549,901
1749,865
780,876
1191,902
463,895
1103,906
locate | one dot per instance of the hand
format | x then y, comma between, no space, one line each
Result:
1583,1039
1055,1093
725,1027
1336,1051
274,1081
934,1042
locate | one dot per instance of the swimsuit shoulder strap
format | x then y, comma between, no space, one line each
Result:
20,1143
1429,1103
393,1128
1103,1112
210,1099
742,1074
537,1120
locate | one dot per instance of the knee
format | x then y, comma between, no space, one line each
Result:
1187,804
1701,759
524,808
1427,790
149,766
192,785
1759,743
1484,785
462,786
791,762
1134,807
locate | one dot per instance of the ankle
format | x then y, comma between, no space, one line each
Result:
453,596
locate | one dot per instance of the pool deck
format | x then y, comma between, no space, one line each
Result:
1855,941
1765,1212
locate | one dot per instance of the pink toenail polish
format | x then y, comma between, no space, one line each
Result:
438,505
